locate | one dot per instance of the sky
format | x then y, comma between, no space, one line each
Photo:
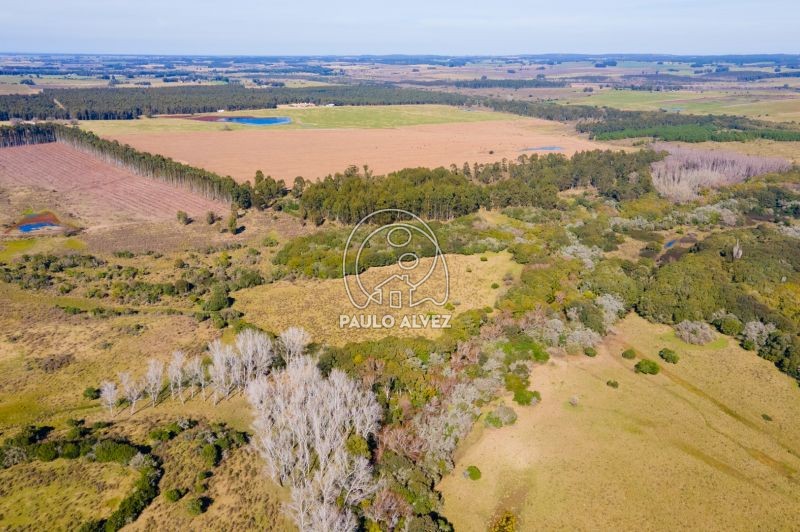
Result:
447,27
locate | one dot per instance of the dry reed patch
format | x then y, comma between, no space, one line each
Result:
317,304
687,448
684,172
314,153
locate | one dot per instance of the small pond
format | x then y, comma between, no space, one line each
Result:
545,148
257,121
27,228
35,221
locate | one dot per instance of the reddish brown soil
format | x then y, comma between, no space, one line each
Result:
93,185
314,153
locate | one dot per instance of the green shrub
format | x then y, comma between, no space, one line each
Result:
218,299
70,450
358,446
196,506
590,351
183,218
629,354
91,393
211,455
174,494
46,452
500,416
473,473
647,367
612,384
484,258
112,451
730,325
668,355
165,433
495,286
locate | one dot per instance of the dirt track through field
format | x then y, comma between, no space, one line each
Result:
96,186
314,153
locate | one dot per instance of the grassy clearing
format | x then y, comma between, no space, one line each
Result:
10,249
64,494
767,148
687,448
371,117
769,106
317,304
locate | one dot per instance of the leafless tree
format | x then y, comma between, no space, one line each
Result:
443,423
108,395
612,306
301,427
175,374
685,171
131,389
389,507
294,341
220,372
154,379
695,332
256,353
737,251
196,375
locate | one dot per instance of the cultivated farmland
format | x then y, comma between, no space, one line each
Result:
95,188
313,153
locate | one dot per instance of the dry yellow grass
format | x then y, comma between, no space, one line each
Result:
317,304
61,495
315,153
687,448
766,148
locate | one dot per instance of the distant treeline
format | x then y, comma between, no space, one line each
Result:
605,123
200,181
445,194
129,103
487,83
23,135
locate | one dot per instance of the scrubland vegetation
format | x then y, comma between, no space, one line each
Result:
198,376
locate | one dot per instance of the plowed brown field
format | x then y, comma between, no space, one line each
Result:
94,186
314,153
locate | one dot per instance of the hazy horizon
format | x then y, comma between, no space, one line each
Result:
353,27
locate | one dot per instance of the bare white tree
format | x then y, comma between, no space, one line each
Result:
294,341
301,427
154,379
737,251
196,375
223,363
108,395
612,306
256,353
175,374
131,389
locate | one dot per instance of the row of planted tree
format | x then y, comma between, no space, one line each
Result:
198,180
